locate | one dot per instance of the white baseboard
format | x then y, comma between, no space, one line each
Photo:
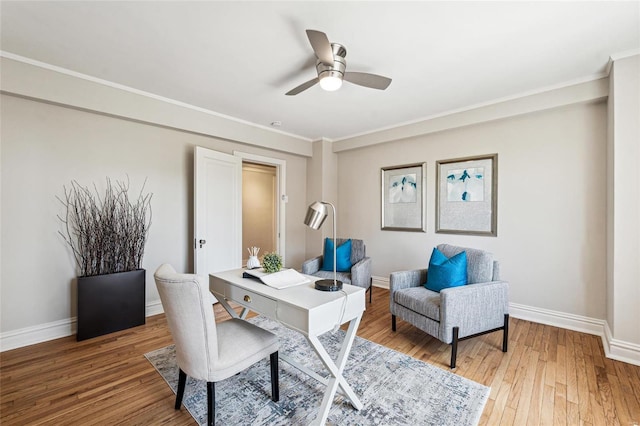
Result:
619,349
37,334
613,348
53,330
380,282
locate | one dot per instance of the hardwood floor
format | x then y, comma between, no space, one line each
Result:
550,376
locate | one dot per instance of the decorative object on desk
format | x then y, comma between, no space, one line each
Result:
253,261
271,262
107,234
316,214
401,390
403,197
467,196
284,278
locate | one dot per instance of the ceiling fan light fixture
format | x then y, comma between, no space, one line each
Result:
330,81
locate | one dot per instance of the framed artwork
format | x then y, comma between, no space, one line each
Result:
403,197
467,196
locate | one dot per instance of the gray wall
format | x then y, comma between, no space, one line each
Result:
45,147
551,203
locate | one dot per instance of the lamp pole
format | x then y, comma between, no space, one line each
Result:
335,244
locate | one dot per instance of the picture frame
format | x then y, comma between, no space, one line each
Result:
467,195
403,197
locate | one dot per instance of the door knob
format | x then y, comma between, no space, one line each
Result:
202,242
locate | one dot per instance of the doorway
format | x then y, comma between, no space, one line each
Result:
277,204
259,208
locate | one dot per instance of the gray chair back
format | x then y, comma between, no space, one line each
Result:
358,249
480,263
187,306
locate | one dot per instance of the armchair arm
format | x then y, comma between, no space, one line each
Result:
404,279
473,308
407,279
311,266
361,273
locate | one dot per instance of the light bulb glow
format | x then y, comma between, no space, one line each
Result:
330,83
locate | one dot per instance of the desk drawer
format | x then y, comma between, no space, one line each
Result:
253,301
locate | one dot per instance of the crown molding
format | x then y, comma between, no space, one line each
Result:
618,56
590,88
184,114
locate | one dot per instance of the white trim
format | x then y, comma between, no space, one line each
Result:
480,105
614,349
381,282
54,330
37,334
557,319
620,350
620,55
108,83
281,174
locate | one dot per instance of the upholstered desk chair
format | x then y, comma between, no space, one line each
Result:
360,273
206,350
456,313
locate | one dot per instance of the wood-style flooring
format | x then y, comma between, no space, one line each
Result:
549,376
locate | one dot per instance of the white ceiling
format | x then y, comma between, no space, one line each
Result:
240,58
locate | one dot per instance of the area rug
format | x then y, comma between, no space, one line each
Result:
394,388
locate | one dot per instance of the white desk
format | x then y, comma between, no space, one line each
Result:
304,309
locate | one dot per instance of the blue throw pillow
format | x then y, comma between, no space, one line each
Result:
343,253
444,273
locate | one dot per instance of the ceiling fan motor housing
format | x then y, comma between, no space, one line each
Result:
339,63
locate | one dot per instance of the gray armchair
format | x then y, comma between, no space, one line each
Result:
457,313
360,274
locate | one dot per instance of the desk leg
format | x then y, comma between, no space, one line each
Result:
228,307
337,379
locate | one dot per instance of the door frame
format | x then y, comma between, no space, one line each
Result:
281,179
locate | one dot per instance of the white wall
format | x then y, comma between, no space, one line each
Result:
551,203
45,146
623,222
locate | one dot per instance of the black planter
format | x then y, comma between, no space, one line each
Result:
108,303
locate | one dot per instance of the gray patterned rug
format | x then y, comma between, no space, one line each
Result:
394,388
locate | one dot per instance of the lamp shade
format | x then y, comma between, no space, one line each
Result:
316,214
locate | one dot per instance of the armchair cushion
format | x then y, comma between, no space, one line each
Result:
480,262
419,299
446,272
343,255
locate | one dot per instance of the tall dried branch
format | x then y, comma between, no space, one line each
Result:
106,234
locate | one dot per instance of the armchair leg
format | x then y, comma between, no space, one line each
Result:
211,403
505,333
393,323
275,378
182,380
370,289
454,347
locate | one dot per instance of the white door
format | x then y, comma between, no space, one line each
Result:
218,211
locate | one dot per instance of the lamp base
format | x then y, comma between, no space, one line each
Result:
328,285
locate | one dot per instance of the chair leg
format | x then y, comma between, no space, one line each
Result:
370,289
393,323
454,347
505,334
182,380
275,377
211,403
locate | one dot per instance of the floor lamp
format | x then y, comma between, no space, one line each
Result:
316,214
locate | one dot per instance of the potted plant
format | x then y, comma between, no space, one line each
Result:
107,235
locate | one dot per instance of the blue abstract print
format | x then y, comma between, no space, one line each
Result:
465,184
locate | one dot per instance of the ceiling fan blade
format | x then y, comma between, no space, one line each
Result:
372,81
304,86
321,46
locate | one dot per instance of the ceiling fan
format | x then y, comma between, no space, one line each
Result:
331,67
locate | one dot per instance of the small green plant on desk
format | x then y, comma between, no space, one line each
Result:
271,262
